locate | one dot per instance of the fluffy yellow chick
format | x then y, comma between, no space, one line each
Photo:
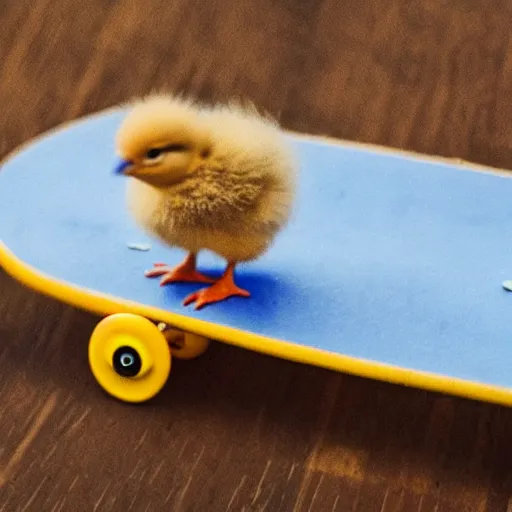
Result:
206,178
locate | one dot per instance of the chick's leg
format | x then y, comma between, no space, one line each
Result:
224,288
185,272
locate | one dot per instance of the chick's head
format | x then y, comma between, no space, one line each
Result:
162,141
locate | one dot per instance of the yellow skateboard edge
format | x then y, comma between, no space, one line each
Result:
104,305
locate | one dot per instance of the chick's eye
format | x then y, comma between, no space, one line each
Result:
153,153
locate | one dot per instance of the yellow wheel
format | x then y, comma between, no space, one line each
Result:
129,357
185,345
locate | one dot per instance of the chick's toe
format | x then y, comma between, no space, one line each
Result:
185,272
223,289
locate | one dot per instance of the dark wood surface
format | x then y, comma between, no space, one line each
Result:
237,431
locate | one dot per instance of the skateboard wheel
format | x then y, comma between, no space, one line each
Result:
129,357
185,345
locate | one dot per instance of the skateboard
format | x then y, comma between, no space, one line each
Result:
391,267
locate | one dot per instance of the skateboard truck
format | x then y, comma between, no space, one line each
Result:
183,345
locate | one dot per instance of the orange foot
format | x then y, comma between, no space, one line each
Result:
223,289
184,273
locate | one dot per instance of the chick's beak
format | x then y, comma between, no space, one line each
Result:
122,167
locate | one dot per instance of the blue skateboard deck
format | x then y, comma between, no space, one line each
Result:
390,269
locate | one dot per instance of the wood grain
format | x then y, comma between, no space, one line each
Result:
237,431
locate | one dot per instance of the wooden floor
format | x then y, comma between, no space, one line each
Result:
236,431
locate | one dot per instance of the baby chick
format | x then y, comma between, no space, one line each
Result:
218,178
